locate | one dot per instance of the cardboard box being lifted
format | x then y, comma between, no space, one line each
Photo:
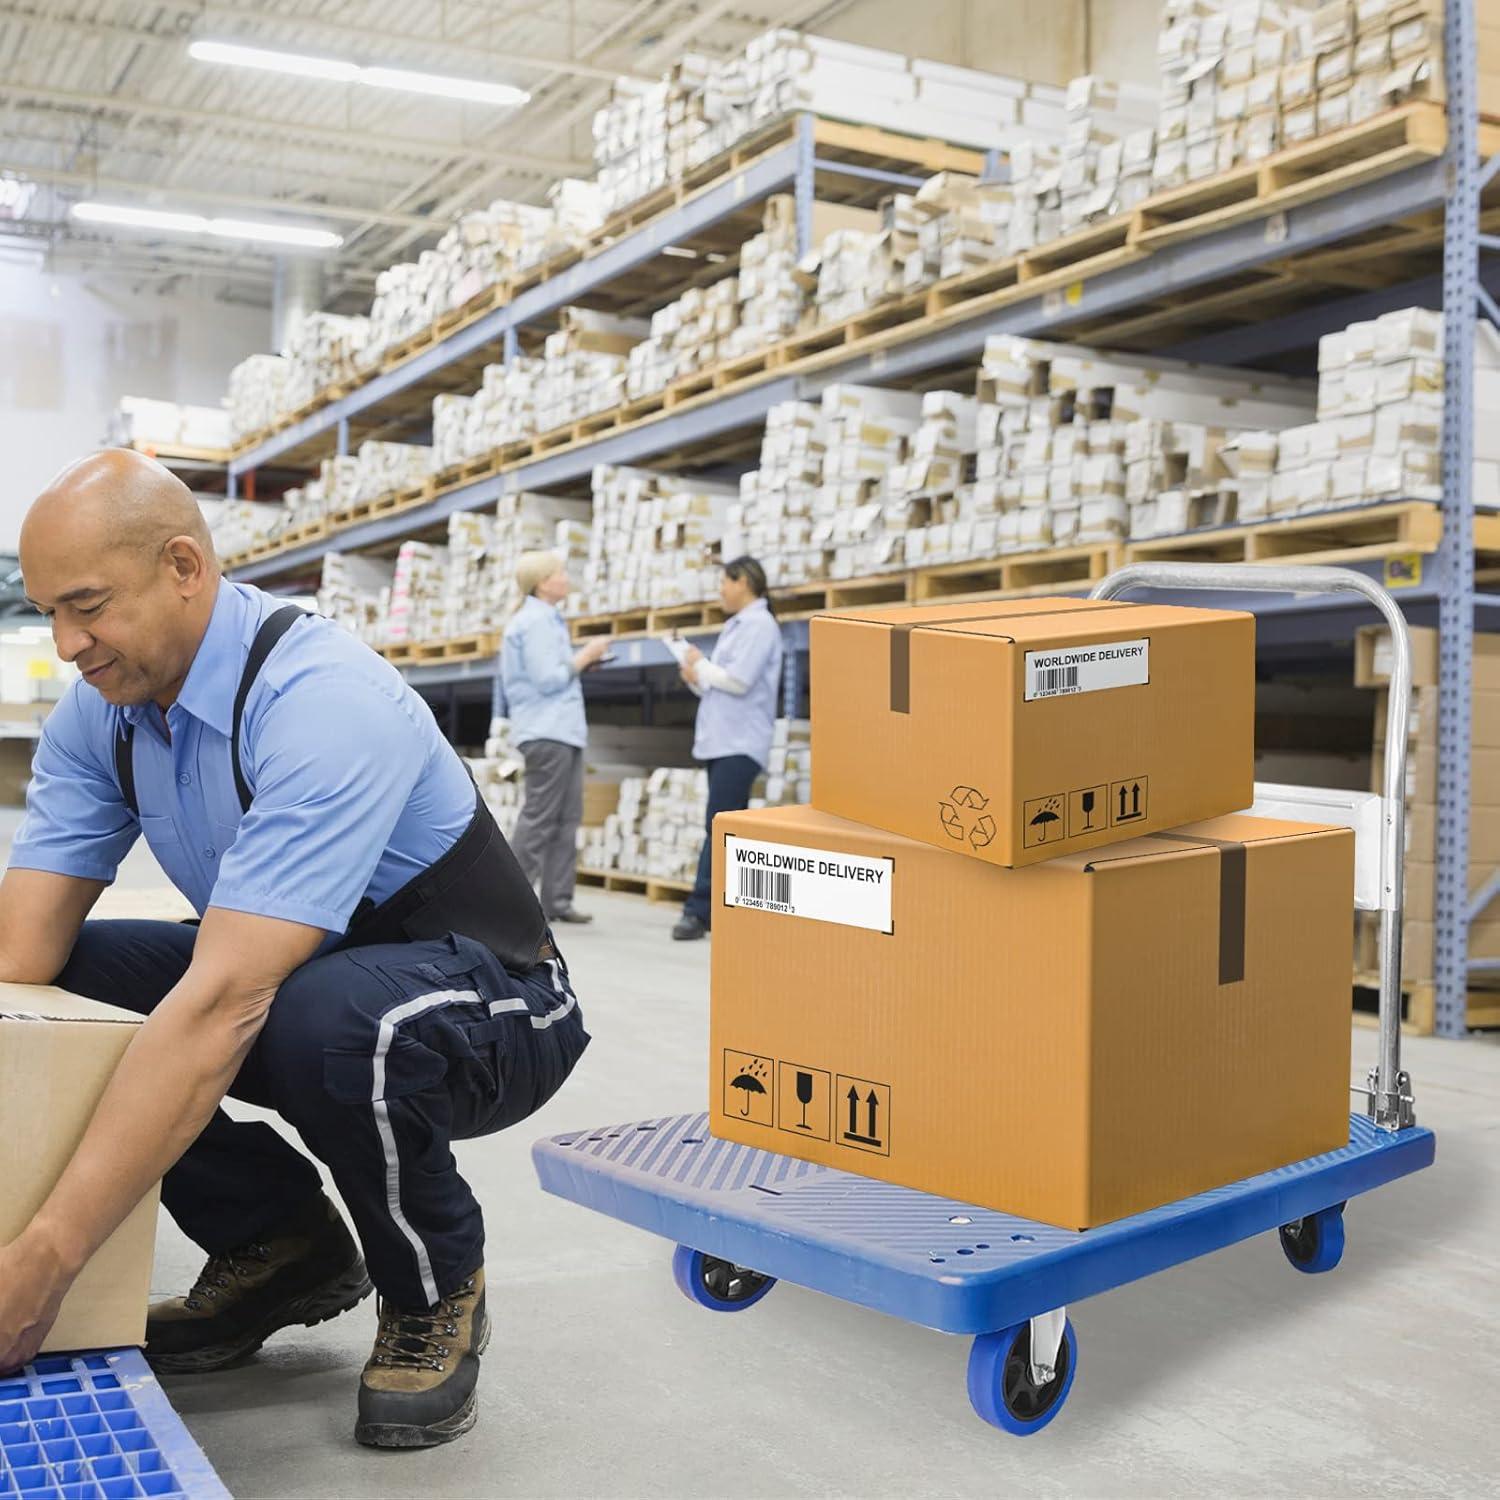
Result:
1020,730
1072,1043
57,1055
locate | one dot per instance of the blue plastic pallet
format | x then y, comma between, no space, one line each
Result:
96,1427
935,1261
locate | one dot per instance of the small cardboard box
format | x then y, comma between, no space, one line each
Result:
1019,730
57,1055
1073,1043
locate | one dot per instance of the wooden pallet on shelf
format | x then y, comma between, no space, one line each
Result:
1298,174
1358,533
1082,246
1018,574
1419,1005
799,601
627,622
635,885
478,645
701,616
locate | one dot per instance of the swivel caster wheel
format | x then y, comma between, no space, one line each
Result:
1003,1384
1315,1243
717,1284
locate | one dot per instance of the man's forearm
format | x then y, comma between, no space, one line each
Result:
168,1084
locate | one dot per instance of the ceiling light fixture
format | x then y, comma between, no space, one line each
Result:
331,69
294,235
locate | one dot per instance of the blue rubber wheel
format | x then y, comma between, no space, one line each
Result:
1315,1243
1001,1389
717,1284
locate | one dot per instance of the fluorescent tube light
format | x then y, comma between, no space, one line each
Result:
437,85
298,63
224,229
472,90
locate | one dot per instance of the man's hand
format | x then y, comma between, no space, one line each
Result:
32,1284
688,670
171,1079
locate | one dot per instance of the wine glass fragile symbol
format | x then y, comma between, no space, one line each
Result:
1088,810
804,1097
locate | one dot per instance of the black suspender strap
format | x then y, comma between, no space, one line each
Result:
266,638
125,764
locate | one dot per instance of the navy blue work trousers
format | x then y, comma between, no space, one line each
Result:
378,1057
730,778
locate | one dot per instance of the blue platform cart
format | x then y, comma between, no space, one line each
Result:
1006,1280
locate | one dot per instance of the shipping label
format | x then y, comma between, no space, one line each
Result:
824,885
1087,669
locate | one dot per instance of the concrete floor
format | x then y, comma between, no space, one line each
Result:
1231,1375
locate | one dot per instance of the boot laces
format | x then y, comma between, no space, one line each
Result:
415,1340
220,1272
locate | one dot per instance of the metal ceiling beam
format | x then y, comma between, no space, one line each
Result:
420,223
356,142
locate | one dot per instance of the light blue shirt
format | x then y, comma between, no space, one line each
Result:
355,790
749,650
542,691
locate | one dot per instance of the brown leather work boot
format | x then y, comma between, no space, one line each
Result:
304,1271
419,1387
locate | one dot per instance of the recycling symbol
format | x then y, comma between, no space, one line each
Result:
964,817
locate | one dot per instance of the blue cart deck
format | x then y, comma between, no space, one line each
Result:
96,1427
935,1261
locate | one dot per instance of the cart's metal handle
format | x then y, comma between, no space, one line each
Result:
1390,1090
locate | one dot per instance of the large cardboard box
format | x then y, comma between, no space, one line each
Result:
1074,1042
57,1054
1020,730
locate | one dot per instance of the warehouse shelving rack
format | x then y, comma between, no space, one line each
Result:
1208,280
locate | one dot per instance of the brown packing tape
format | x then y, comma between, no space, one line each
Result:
901,641
1232,883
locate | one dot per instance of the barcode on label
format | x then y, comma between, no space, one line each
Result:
1054,680
774,886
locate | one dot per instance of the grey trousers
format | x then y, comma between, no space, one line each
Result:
546,833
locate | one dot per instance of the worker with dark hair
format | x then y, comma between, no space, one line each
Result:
736,688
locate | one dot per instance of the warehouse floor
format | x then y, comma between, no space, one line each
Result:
1231,1375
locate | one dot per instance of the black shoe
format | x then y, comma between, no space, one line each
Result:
688,928
302,1272
419,1387
571,914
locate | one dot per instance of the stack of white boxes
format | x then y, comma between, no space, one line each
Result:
1243,79
500,776
1088,447
384,467
962,222
772,297
859,269
502,411
355,592
482,249
322,350
257,393
788,777
1378,435
656,829
690,334
418,603
1096,176
584,366
654,541
240,525
167,424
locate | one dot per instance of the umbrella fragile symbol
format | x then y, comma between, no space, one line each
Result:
1050,812
749,1080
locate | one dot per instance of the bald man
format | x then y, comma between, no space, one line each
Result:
371,963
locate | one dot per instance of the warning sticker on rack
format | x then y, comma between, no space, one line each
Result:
1087,669
824,885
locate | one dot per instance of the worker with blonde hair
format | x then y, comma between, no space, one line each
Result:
539,671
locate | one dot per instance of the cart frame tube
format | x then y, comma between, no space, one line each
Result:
1390,1102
